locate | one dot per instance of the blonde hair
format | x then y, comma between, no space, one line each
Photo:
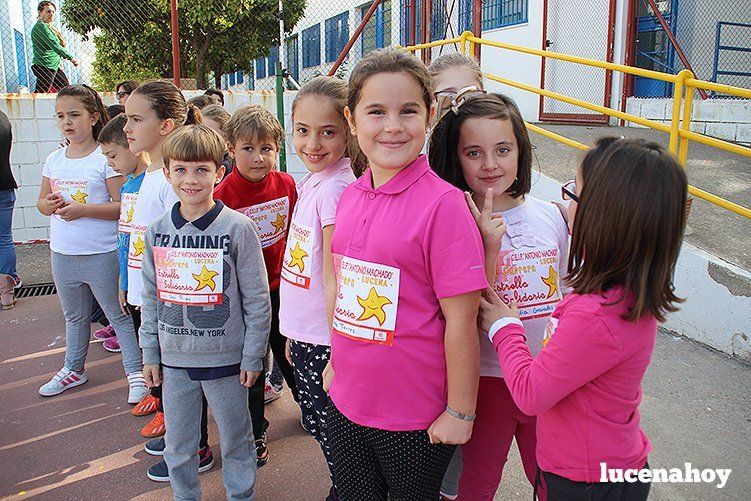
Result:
216,113
451,60
193,143
253,121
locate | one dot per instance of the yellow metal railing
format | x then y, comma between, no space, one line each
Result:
679,129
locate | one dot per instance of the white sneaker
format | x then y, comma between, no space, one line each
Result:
137,387
63,380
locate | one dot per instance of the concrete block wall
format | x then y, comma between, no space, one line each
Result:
727,119
35,136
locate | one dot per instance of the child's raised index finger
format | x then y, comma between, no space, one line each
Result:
487,207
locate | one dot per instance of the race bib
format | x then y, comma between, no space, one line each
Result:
296,267
137,245
189,276
127,207
72,190
271,219
549,330
529,277
367,300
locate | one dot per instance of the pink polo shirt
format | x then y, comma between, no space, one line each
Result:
302,314
398,250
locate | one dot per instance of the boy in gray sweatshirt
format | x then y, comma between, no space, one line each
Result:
205,315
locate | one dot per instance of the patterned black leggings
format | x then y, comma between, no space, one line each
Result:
377,464
308,361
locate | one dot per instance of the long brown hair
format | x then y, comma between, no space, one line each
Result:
91,101
629,225
335,90
168,102
388,60
443,156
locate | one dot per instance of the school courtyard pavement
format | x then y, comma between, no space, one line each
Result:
84,444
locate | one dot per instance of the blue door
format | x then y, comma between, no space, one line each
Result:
654,51
23,78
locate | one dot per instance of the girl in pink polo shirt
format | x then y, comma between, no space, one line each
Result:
585,385
308,285
482,146
409,263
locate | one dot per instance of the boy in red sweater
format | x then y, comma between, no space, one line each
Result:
255,188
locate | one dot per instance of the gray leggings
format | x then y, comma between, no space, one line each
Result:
76,278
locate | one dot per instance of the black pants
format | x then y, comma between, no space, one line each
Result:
47,78
309,361
378,465
563,489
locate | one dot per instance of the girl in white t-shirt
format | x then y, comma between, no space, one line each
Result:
81,194
482,146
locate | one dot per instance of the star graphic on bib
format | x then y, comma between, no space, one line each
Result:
79,196
205,278
551,281
278,223
372,306
129,214
138,247
297,255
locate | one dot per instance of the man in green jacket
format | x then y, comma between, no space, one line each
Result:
49,51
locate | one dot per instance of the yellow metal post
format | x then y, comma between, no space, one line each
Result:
686,124
675,120
463,40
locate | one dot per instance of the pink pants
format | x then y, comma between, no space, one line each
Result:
498,421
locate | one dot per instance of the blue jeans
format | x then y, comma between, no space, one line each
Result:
7,250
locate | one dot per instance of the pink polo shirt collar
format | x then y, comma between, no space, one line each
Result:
400,182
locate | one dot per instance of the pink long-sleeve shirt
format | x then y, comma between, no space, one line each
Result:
584,386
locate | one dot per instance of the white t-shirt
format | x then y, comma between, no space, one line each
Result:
85,181
155,197
529,270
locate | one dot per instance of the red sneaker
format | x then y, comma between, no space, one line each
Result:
155,427
146,406
104,333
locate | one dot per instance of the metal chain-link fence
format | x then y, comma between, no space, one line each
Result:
97,42
710,37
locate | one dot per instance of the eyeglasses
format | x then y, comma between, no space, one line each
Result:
122,94
569,191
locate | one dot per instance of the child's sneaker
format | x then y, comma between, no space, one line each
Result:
270,393
148,405
155,447
63,380
160,473
104,333
155,427
112,344
262,451
137,389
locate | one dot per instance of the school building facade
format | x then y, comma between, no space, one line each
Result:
714,36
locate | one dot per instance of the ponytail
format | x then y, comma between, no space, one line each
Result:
194,115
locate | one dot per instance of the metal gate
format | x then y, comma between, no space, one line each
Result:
587,84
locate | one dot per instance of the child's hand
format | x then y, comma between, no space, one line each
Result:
287,352
151,375
492,308
328,376
450,430
248,378
70,212
490,225
122,300
54,201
